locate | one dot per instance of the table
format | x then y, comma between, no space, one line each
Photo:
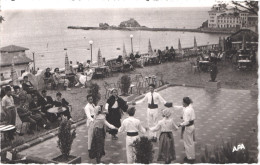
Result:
56,110
5,128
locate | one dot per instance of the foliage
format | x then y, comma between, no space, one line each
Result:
65,137
143,150
224,154
93,89
248,6
125,84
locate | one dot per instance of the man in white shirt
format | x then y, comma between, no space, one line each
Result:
8,106
153,98
90,112
132,126
188,128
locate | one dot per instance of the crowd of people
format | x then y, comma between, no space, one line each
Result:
108,119
31,106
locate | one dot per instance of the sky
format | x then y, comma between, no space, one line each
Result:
64,4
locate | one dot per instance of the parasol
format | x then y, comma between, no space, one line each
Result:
150,50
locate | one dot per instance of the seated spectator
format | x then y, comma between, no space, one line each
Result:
137,55
83,79
80,68
48,76
132,57
35,108
16,94
61,102
28,86
88,64
59,79
48,73
46,103
27,116
8,106
119,59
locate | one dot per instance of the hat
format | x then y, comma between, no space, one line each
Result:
168,104
112,90
166,112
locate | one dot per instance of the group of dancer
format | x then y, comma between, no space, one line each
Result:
101,120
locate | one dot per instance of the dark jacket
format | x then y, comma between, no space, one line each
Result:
26,87
33,105
44,102
23,112
121,103
63,103
47,74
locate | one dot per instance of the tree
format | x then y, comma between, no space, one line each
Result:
65,138
248,6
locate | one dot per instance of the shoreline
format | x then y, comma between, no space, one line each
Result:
152,29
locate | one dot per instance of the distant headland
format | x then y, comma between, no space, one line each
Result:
133,25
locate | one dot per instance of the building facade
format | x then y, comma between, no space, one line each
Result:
13,55
224,18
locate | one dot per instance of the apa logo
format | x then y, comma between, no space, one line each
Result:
239,147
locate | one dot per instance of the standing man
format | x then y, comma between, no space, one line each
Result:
90,112
188,129
8,106
153,98
132,127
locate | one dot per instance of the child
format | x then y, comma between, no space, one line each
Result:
99,133
132,126
166,141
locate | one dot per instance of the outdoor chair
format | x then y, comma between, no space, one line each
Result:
160,81
99,72
134,84
141,80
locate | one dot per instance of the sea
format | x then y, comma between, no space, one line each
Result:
45,32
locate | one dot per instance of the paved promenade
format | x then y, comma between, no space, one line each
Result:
226,115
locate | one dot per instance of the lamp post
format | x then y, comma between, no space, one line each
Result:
91,42
131,36
33,63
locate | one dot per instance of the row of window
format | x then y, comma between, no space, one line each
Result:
228,18
224,21
243,14
226,26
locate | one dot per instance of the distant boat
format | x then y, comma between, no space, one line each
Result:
88,49
117,48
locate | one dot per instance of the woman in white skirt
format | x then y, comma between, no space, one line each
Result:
166,140
188,128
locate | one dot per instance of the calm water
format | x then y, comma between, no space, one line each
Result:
45,32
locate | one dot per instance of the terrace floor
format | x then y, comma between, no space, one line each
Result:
226,115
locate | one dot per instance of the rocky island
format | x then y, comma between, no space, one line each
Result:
133,25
